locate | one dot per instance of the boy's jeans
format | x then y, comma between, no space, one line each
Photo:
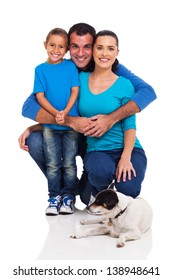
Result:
60,148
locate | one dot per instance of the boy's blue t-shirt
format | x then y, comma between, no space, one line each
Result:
56,81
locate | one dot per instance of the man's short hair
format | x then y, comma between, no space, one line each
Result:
82,29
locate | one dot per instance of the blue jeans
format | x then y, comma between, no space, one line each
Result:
101,169
36,151
84,187
60,149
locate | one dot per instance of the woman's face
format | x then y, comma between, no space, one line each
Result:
105,51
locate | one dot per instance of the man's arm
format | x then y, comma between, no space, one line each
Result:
102,123
32,110
22,138
144,95
44,116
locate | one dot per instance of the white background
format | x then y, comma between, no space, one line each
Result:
144,29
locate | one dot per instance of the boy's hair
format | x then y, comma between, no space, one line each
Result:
81,29
56,31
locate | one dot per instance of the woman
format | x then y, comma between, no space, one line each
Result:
117,154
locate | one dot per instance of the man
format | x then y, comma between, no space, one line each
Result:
81,38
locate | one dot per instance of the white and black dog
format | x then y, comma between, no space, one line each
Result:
122,217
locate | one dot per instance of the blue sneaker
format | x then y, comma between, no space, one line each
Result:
54,206
67,206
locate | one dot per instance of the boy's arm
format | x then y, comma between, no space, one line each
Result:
61,117
31,109
46,104
72,99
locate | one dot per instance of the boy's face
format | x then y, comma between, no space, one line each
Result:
81,49
56,48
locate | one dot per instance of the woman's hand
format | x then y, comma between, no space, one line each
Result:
124,170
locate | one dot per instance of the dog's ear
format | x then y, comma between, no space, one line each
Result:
112,186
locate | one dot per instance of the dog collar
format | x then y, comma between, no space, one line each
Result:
120,213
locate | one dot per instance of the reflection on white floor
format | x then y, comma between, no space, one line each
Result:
59,245
31,236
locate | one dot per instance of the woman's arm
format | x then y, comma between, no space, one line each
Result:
125,166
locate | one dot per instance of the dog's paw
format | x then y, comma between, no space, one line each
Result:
76,236
83,222
120,244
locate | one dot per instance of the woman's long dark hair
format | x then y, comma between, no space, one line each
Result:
91,65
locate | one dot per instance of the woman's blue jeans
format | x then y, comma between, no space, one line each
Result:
101,169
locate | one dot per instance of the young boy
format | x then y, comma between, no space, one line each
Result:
56,88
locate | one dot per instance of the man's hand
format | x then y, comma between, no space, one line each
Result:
99,125
22,139
102,123
78,123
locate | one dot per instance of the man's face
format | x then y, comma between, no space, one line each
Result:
81,49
